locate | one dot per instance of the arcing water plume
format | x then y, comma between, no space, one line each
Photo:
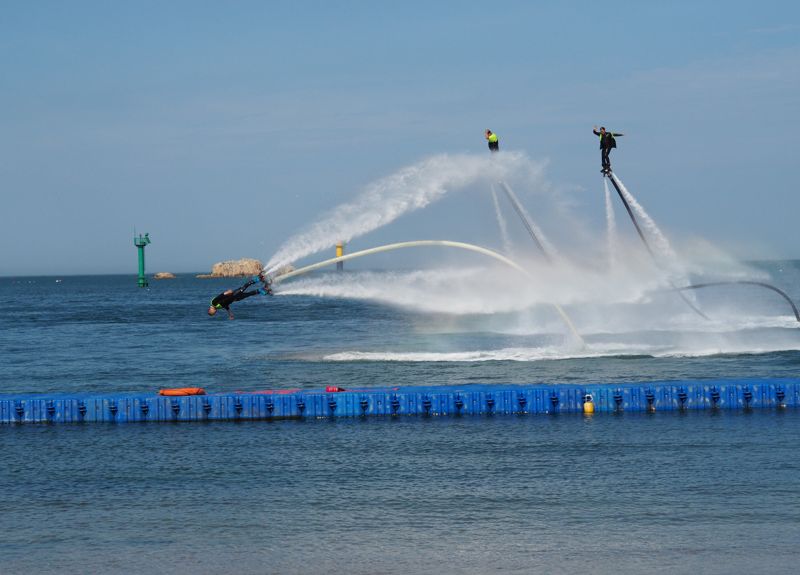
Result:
611,227
670,258
662,248
621,299
501,222
407,190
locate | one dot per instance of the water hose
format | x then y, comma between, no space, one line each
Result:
747,282
423,243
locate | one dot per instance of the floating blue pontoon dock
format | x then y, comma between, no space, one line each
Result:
404,401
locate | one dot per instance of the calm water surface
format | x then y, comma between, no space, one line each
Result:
668,493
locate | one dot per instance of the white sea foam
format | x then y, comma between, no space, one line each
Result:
522,354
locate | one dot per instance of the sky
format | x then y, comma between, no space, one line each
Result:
221,129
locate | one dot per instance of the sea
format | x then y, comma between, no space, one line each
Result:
700,492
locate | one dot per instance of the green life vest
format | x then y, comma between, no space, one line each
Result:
493,138
612,142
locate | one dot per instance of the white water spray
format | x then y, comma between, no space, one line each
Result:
501,222
544,353
661,244
407,190
577,339
549,249
664,255
611,228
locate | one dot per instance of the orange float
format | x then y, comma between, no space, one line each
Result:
182,391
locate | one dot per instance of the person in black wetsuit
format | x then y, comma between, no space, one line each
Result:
226,298
607,142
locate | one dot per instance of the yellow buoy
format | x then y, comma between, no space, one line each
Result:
339,253
588,404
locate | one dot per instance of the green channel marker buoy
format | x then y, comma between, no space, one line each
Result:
140,242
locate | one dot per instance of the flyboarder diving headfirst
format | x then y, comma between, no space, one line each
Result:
607,142
226,298
494,143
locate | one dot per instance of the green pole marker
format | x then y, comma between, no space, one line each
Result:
140,242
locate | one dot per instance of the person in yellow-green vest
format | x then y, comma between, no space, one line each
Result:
607,142
494,143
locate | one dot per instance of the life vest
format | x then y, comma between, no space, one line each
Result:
609,137
492,138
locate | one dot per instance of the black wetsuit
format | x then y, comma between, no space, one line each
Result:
224,300
607,142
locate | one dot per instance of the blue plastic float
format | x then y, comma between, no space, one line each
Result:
468,400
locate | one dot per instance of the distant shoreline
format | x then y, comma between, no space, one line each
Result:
206,275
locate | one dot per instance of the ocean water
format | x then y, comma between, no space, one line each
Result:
667,492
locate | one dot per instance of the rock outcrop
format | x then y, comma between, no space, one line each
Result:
234,269
163,276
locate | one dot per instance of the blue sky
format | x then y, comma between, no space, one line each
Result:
223,128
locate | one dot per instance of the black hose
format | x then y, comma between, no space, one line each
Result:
747,282
632,217
613,179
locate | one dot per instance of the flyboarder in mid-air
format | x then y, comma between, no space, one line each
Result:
607,142
494,143
226,298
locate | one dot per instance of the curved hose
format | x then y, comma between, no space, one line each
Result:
422,243
747,282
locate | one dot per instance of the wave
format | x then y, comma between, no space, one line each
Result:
624,351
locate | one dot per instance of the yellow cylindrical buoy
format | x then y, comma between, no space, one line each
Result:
339,253
588,404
